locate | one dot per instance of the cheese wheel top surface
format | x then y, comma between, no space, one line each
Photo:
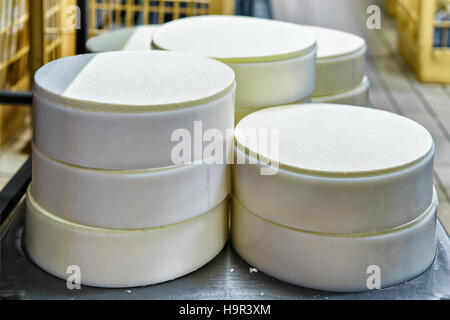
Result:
134,38
334,43
133,81
330,139
236,39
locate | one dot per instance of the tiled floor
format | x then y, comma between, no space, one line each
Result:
393,86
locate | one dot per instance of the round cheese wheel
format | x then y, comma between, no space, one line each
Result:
123,258
336,168
253,48
358,96
340,61
335,262
236,39
128,199
335,43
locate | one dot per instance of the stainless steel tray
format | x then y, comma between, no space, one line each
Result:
226,277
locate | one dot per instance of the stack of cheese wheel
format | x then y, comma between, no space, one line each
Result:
133,38
274,61
107,193
345,197
340,74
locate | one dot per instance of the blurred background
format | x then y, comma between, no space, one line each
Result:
408,58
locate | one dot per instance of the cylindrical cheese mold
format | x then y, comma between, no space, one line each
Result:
335,262
120,110
340,169
123,258
358,96
133,38
340,61
128,199
274,61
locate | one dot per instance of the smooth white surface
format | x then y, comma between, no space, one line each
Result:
128,199
274,61
236,39
274,83
133,81
334,262
340,61
133,38
358,96
118,258
332,139
113,140
335,204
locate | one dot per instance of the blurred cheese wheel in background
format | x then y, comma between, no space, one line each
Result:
340,61
357,97
119,110
133,38
338,169
123,258
274,61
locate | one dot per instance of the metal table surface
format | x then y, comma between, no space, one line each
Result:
226,277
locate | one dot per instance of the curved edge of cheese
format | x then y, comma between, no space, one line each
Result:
132,38
274,83
334,262
358,96
236,39
336,140
133,81
123,258
128,199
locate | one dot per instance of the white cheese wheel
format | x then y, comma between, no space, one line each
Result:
335,262
236,39
123,258
358,96
254,48
128,199
340,61
133,38
118,110
341,169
